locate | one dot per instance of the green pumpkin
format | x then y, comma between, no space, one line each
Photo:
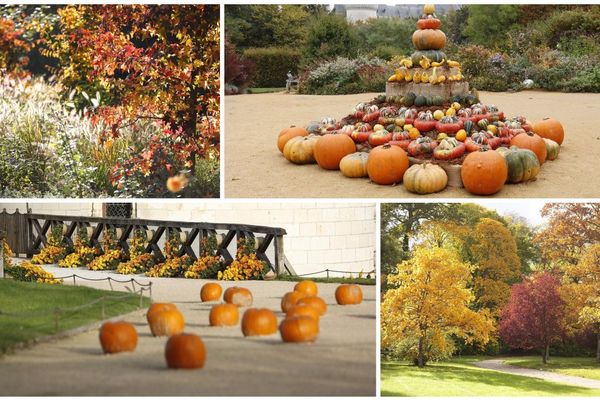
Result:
457,99
471,99
409,99
437,100
483,123
433,55
468,126
420,101
552,149
523,164
429,101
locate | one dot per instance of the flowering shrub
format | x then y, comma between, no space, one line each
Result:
111,257
29,272
7,254
139,261
54,251
173,265
83,253
344,76
208,265
246,265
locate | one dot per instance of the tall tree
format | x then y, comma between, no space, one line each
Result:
487,24
497,264
533,317
330,36
570,228
431,302
583,279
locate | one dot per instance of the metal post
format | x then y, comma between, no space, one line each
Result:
102,304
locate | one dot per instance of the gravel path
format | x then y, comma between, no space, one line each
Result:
341,362
255,168
499,365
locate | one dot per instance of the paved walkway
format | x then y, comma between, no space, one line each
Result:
341,362
499,365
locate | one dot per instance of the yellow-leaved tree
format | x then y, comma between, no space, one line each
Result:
428,303
583,291
497,264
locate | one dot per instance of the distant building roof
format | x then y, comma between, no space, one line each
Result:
353,12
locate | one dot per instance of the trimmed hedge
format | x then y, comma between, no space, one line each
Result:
273,64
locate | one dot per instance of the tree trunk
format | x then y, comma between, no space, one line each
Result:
598,347
420,358
546,354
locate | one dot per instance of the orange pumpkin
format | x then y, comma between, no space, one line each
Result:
259,322
299,329
289,133
429,39
331,148
303,309
239,296
224,315
211,292
348,294
484,172
533,142
549,128
290,299
185,351
116,337
309,288
387,164
316,302
165,319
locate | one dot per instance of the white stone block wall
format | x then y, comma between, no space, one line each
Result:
335,236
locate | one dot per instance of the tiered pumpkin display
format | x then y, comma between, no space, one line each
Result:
430,114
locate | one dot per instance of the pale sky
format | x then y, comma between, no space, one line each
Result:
529,209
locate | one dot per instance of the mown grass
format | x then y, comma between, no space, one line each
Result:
41,300
585,367
459,377
265,90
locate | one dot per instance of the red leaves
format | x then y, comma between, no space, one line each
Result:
533,318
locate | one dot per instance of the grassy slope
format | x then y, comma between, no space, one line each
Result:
22,297
460,378
585,367
265,90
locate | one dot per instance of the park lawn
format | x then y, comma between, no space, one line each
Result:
585,367
265,90
459,377
40,298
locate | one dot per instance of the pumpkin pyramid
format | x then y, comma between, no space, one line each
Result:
428,77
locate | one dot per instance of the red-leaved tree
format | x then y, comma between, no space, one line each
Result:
533,317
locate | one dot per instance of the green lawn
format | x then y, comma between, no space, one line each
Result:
27,297
358,281
585,367
460,378
265,90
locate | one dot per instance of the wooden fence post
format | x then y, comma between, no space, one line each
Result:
1,258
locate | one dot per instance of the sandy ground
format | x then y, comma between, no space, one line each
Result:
255,168
498,365
341,362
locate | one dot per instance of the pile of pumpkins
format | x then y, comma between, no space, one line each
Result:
376,142
303,309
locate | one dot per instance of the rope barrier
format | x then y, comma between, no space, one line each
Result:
108,278
336,271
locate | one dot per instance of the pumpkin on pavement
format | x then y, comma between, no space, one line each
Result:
117,337
165,319
533,142
289,133
259,322
299,149
347,294
185,351
315,302
299,329
552,149
307,287
224,315
239,296
354,165
290,299
211,292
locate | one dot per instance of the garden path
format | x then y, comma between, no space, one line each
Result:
499,365
341,362
254,167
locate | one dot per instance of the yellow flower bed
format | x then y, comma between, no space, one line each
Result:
108,260
203,268
50,254
245,267
29,272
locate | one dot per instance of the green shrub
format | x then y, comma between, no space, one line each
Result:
345,76
330,36
272,64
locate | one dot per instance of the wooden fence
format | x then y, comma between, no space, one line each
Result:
15,227
269,240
